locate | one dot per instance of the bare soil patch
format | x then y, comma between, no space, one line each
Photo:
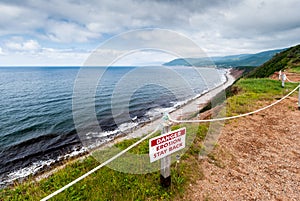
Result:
257,158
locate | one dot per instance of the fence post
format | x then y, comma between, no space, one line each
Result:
299,99
165,163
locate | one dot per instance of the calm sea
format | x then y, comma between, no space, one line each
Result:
36,113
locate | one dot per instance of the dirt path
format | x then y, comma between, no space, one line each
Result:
257,158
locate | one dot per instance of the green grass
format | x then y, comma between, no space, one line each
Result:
108,184
252,91
105,184
295,69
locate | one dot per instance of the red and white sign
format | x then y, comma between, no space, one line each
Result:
166,144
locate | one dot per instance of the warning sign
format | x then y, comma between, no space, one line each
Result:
166,144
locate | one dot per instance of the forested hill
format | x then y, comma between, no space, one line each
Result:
289,58
227,61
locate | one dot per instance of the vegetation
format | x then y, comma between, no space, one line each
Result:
289,58
108,184
245,69
250,92
295,69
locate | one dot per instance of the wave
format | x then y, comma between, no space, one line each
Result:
24,156
39,166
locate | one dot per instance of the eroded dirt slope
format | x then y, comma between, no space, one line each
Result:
257,158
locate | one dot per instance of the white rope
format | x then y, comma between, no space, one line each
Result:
98,167
233,117
290,80
147,136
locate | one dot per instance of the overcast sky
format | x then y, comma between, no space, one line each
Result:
64,32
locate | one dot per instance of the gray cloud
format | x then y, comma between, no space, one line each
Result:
105,16
19,20
218,26
266,17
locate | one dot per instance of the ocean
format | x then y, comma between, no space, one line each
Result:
37,127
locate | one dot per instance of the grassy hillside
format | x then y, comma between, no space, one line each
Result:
289,58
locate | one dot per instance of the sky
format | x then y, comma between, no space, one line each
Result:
64,33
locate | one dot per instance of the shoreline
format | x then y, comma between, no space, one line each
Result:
190,107
200,102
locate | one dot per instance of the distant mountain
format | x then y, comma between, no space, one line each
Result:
288,58
227,61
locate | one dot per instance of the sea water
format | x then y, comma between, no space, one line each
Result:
37,127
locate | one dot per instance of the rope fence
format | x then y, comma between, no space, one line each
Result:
157,128
100,166
233,117
291,80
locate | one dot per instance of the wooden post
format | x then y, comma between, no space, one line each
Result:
299,99
165,163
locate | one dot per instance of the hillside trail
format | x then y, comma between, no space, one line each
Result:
257,157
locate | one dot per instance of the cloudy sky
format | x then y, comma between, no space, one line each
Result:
64,32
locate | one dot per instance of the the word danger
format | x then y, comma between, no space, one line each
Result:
166,144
